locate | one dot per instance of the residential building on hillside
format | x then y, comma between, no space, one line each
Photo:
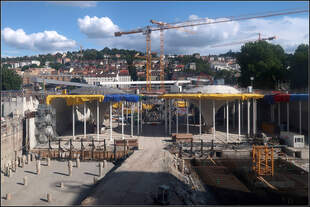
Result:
191,66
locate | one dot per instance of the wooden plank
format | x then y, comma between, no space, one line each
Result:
267,183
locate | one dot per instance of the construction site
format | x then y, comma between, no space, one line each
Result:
199,145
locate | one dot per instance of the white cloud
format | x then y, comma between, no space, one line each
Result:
47,41
95,27
82,4
291,31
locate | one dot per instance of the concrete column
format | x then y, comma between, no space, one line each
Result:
279,114
239,125
73,122
95,179
25,181
49,197
227,122
234,114
187,124
248,117
141,113
111,127
242,122
254,117
170,116
200,116
38,165
24,159
28,158
126,110
138,110
98,124
299,103
166,121
77,162
131,120
84,119
8,196
271,112
224,116
14,165
123,121
177,119
100,169
213,117
48,161
288,116
62,186
70,168
9,171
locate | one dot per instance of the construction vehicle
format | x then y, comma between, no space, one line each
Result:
191,23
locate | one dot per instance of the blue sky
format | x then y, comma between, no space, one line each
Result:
45,27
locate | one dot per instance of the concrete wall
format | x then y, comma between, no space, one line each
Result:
63,115
16,104
11,104
11,139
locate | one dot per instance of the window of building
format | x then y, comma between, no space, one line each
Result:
298,140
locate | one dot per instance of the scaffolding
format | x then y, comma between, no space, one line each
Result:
262,160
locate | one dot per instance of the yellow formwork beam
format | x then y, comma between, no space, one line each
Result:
74,99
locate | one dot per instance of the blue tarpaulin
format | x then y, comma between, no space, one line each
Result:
121,97
299,97
269,99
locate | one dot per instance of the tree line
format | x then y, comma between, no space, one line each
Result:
267,63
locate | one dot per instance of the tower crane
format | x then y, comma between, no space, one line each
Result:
241,42
162,55
197,22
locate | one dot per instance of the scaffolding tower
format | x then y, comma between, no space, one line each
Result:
262,160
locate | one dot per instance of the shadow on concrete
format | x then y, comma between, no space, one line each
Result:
26,171
61,173
133,188
43,199
92,174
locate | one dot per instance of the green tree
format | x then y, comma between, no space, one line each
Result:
299,67
25,67
10,80
133,72
78,80
263,61
228,76
56,66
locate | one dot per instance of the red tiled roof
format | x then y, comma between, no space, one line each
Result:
123,72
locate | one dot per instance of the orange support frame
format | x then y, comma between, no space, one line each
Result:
262,160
